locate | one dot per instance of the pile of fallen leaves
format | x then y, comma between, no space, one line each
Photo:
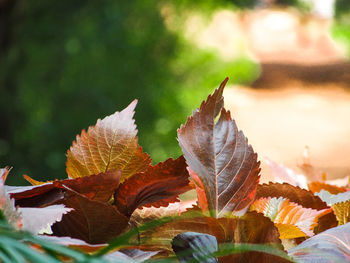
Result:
205,206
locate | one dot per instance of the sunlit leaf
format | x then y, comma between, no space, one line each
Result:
332,245
158,186
342,212
144,214
331,199
92,221
300,196
109,145
42,224
221,157
291,219
340,204
3,174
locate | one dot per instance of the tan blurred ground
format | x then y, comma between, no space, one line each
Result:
302,96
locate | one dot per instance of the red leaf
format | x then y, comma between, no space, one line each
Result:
92,221
221,157
200,189
158,186
109,145
98,187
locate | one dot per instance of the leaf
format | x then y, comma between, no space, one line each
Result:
316,187
92,221
144,214
133,255
33,181
3,174
333,199
200,189
293,193
98,187
283,174
291,219
7,205
195,247
332,245
340,204
158,186
342,212
221,157
109,145
251,228
48,216
300,196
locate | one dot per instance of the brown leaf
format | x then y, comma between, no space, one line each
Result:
109,145
98,187
92,221
316,187
291,219
251,228
293,193
158,186
221,157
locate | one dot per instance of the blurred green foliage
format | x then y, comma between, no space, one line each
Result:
65,64
69,63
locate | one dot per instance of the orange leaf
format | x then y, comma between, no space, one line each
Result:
316,187
292,219
109,145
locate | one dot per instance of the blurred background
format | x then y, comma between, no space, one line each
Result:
64,64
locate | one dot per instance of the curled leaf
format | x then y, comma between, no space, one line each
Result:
293,193
98,187
109,145
158,186
221,157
